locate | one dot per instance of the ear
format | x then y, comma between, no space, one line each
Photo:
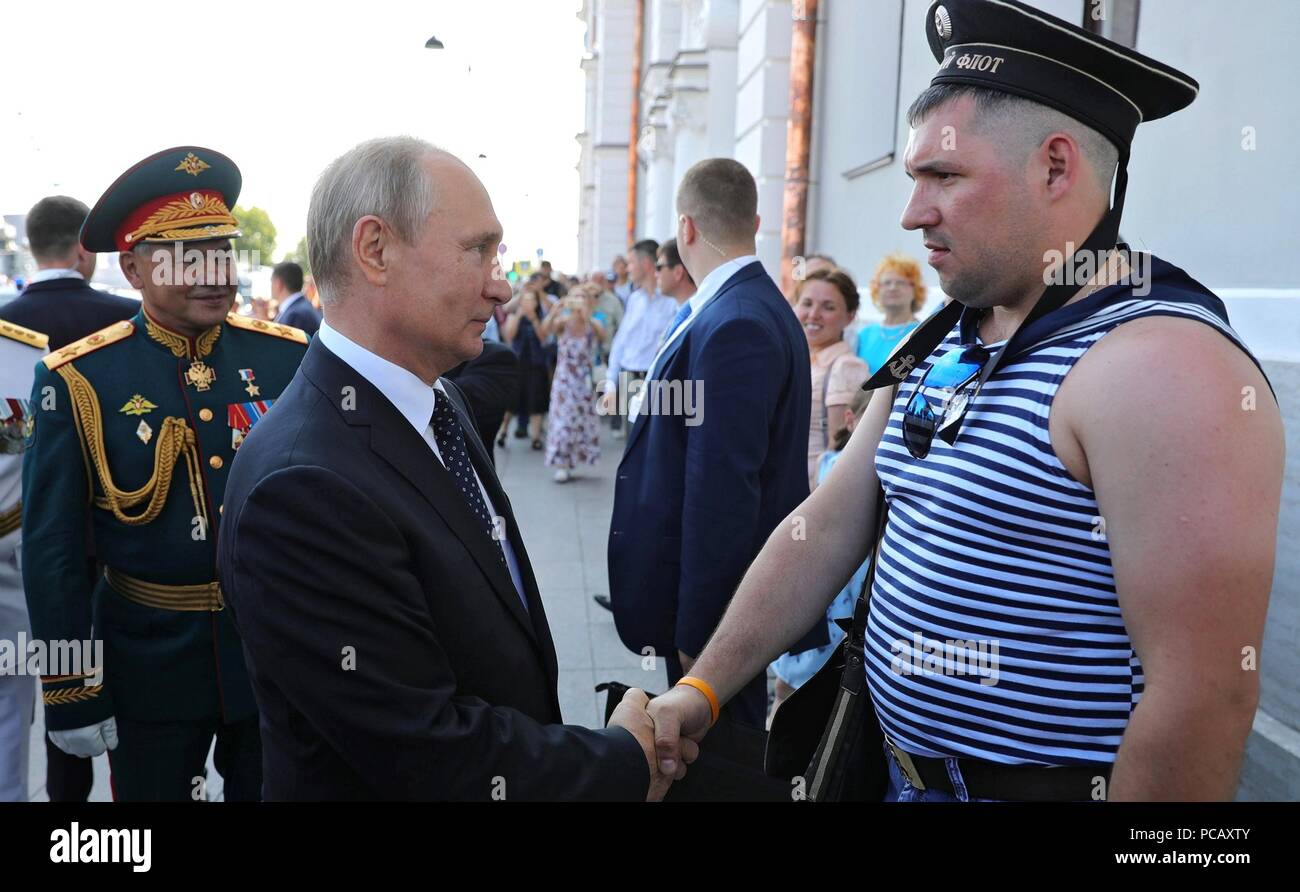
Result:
1063,162
370,238
133,267
689,232
86,261
758,221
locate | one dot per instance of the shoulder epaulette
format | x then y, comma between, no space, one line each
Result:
261,326
24,335
89,344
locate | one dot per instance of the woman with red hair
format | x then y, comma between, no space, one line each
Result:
898,292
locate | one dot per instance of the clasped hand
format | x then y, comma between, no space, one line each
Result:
669,729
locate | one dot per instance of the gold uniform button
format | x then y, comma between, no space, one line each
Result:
205,414
221,509
216,462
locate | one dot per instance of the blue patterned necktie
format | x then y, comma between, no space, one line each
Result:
451,446
682,313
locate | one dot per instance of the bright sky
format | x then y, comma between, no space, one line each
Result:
284,87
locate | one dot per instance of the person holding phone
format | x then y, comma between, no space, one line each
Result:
523,330
572,436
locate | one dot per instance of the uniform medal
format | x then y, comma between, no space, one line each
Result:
200,374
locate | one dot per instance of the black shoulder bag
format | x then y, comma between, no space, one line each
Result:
827,731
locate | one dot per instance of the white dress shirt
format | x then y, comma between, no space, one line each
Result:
288,302
415,401
638,334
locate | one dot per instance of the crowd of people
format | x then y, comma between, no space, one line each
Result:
565,334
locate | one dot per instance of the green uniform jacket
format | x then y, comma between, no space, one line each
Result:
135,430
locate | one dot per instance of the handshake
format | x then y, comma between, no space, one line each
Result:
669,729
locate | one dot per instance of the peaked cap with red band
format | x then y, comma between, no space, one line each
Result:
177,195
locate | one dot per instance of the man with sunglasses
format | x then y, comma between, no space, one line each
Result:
1081,474
671,276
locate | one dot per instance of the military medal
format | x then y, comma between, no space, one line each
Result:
200,374
246,375
137,405
242,417
15,416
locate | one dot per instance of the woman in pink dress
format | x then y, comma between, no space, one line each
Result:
572,432
825,303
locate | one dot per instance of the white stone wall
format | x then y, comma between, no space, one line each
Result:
655,149
602,226
762,113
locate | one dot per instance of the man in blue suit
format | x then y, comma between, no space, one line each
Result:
717,454
295,308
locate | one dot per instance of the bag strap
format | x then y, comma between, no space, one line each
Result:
853,669
826,415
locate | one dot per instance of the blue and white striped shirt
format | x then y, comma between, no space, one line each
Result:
995,630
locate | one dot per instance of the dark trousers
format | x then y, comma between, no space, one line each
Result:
749,707
67,778
164,761
533,396
70,778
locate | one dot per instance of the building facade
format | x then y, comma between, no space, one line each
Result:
1212,188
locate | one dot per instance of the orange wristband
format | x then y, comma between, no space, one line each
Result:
703,687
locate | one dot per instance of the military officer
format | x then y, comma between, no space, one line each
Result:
135,426
20,350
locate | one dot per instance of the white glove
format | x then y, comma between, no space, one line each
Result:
89,741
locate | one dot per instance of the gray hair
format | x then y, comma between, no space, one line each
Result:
383,177
1021,124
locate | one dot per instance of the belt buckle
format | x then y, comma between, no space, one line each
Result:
905,765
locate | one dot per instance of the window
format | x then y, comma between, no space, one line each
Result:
859,102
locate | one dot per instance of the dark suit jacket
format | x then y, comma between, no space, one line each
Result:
301,314
490,382
67,310
346,539
694,502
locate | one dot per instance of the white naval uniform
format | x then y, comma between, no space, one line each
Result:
19,353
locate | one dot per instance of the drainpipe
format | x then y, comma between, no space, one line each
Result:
798,139
637,37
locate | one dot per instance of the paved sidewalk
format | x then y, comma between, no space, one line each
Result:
565,527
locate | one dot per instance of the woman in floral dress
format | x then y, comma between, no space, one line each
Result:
573,433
